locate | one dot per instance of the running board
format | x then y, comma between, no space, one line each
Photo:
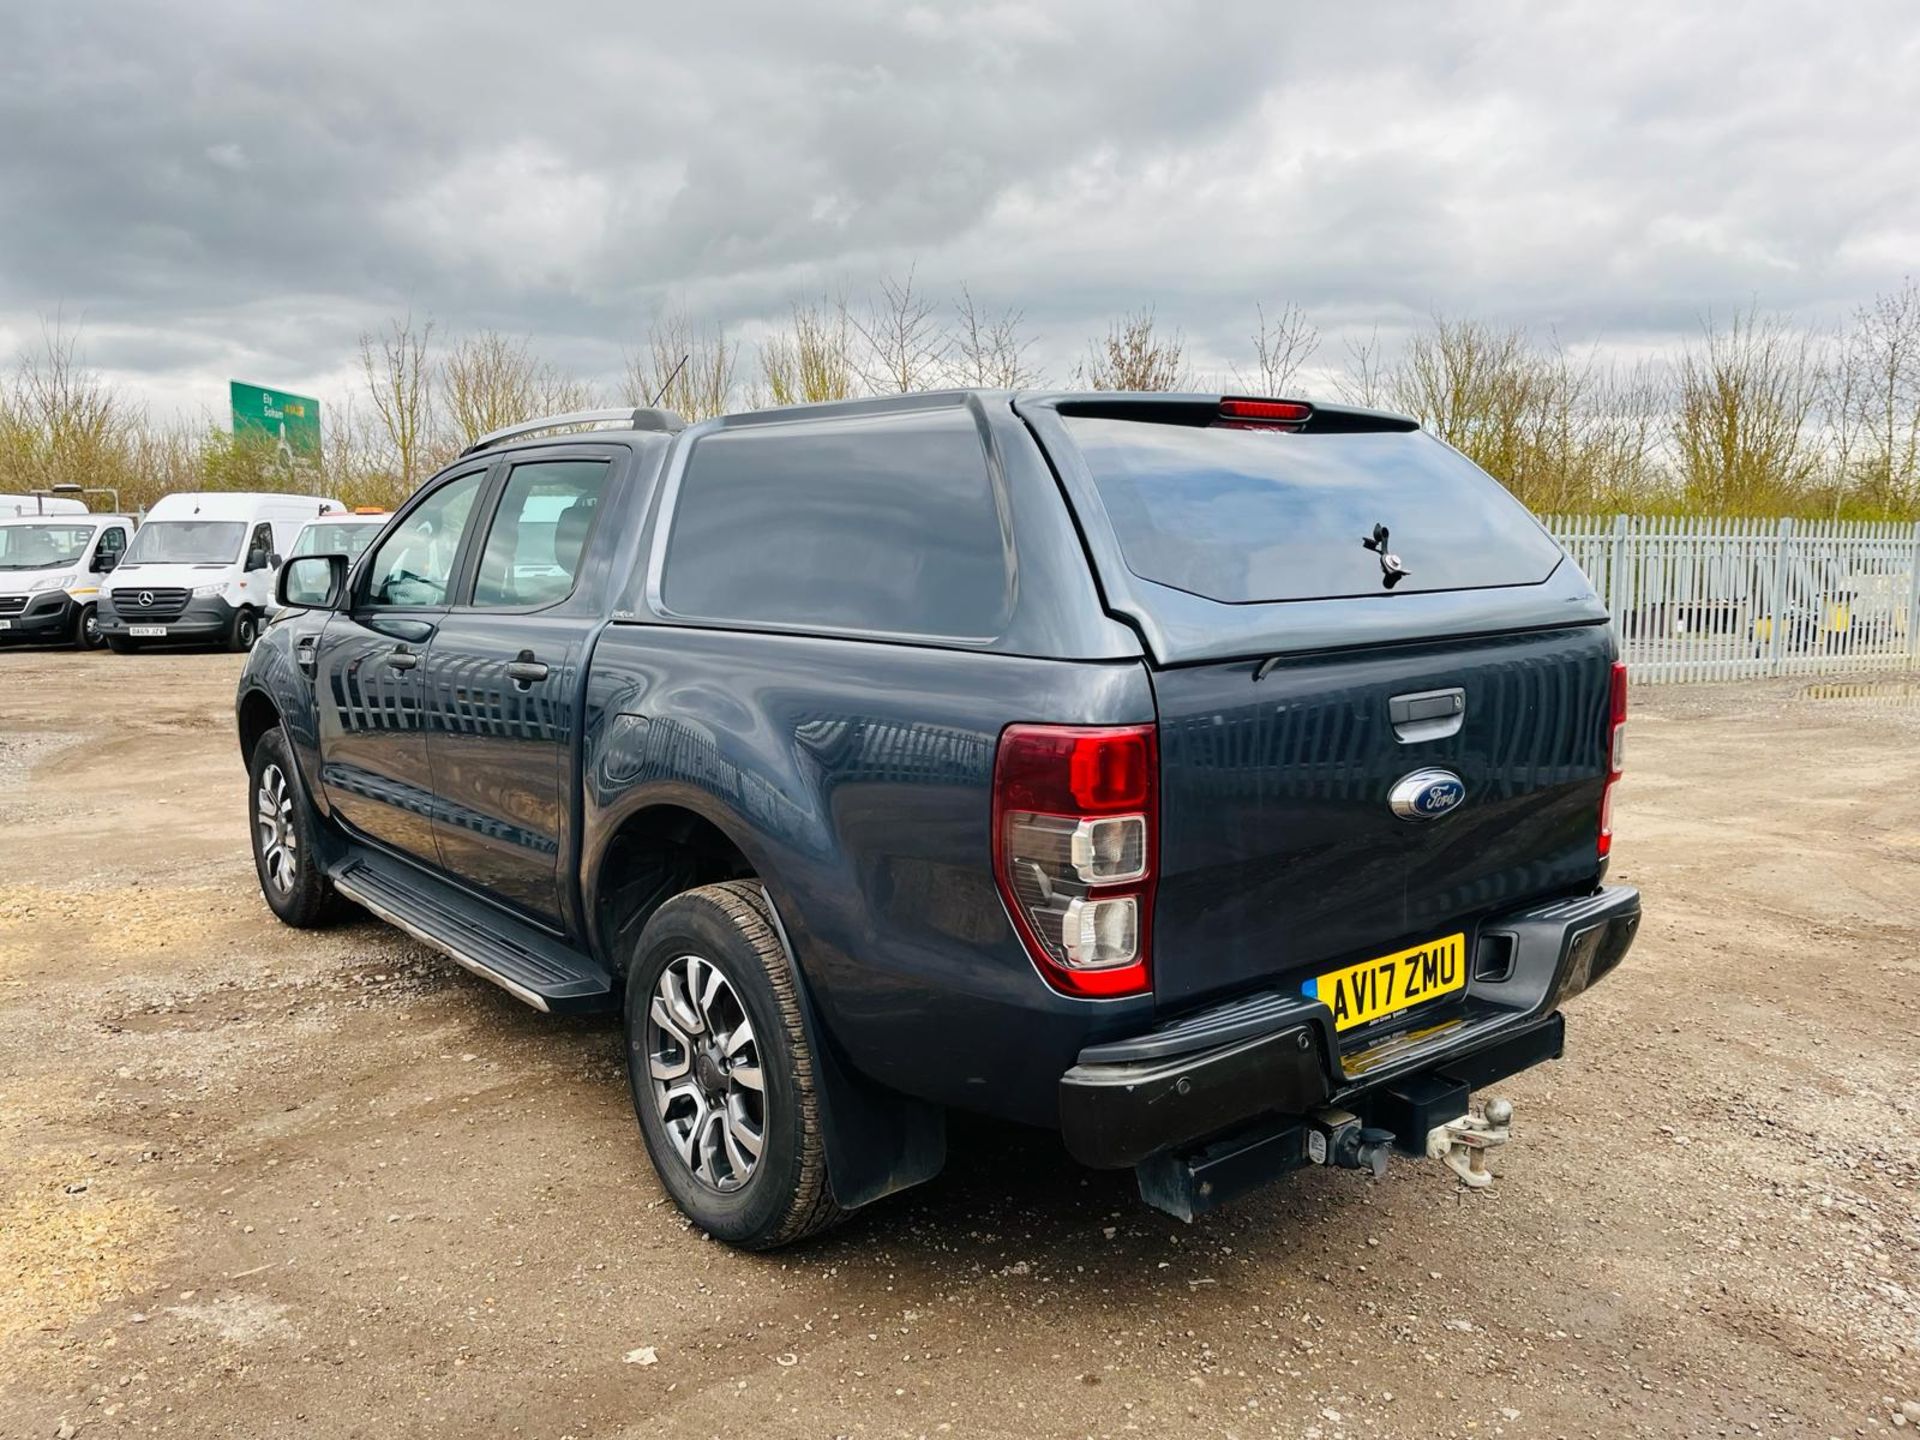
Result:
530,966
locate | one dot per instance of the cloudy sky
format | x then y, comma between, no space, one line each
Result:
214,189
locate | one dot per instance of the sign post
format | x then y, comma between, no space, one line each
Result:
290,422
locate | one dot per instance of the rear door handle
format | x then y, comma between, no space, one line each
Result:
523,670
402,659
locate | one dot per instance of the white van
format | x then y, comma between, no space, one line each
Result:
346,535
14,507
202,567
51,569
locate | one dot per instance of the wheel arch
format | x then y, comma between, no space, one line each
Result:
653,851
257,715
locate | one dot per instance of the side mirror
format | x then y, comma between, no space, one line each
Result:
105,560
312,582
273,560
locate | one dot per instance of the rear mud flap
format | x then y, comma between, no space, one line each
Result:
878,1141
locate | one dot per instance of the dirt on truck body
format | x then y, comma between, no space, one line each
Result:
255,1182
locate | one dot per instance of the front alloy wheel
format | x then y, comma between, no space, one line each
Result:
286,837
279,841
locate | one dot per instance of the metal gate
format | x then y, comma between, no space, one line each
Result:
1721,599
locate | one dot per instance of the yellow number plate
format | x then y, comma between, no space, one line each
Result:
1392,983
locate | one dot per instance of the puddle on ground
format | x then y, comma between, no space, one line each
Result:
1904,692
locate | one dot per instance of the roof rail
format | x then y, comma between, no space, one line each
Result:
643,417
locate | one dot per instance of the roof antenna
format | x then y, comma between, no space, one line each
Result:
672,376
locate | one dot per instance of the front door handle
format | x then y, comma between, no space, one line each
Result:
402,659
523,669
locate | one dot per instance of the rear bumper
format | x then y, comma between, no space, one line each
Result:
1277,1053
47,616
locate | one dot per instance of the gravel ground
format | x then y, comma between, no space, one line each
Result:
256,1182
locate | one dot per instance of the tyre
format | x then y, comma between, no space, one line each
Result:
722,1071
286,857
243,630
86,629
122,644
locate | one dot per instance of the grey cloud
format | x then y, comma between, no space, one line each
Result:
223,179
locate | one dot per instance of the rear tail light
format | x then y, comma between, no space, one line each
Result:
1616,753
1074,816
1238,414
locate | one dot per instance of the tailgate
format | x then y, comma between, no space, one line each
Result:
1281,857
1296,570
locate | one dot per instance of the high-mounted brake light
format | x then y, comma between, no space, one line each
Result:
1074,816
1616,752
1263,414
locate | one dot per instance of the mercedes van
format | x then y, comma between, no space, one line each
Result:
202,568
51,569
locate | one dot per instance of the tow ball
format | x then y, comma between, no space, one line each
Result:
1462,1145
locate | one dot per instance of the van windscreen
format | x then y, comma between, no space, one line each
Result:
1253,516
186,542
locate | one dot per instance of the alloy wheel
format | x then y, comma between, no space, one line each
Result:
279,846
703,1062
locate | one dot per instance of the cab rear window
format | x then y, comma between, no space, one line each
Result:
878,524
1253,516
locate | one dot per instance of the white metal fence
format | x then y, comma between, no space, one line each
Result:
1718,599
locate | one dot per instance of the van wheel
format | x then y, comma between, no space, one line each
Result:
722,1071
86,629
243,630
122,644
286,856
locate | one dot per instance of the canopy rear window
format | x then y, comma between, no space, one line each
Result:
1254,516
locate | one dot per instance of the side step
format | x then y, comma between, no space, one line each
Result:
530,966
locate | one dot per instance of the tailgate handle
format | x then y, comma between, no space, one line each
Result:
1427,715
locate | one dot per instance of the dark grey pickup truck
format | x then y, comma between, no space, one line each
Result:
1222,782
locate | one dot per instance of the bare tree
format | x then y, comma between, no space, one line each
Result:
1364,382
1873,403
1625,440
555,392
63,424
905,348
1469,384
1562,432
398,371
488,381
989,348
1743,397
814,360
685,368
1280,347
1133,357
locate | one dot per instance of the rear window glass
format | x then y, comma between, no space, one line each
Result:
1246,516
884,524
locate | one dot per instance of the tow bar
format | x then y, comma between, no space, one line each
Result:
1462,1145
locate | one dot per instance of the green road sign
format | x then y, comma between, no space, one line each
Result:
292,422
